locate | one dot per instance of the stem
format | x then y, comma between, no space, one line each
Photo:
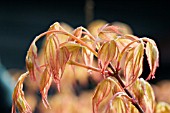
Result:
134,102
66,33
84,66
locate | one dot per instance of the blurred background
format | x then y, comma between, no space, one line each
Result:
21,21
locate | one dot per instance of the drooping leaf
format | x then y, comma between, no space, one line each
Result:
87,56
150,96
63,58
101,92
62,36
138,60
108,32
73,48
131,37
45,83
31,61
122,42
78,32
118,105
144,94
18,96
128,67
86,53
107,53
110,29
52,58
152,54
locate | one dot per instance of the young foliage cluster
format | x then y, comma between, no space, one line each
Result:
120,62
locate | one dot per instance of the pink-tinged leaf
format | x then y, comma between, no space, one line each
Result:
86,53
144,94
73,48
131,37
101,92
122,43
119,103
31,61
138,60
152,54
107,33
107,53
30,65
55,26
61,31
18,96
45,84
87,56
52,58
78,32
63,58
128,67
133,65
110,29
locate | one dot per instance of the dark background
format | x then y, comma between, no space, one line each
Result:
21,21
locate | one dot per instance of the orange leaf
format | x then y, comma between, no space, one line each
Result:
138,60
63,58
144,94
119,103
110,29
18,96
101,92
78,32
107,53
152,54
52,58
31,61
45,84
73,48
128,67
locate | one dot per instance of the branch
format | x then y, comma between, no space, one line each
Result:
134,102
84,66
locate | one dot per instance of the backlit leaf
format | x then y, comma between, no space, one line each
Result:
101,92
86,53
152,57
118,105
45,84
63,58
78,32
18,96
73,48
143,92
107,53
110,29
52,59
31,61
128,67
138,60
